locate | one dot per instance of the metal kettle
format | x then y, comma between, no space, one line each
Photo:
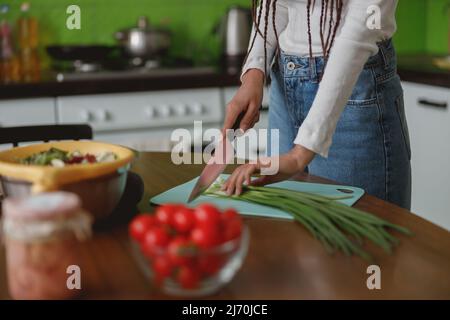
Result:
235,31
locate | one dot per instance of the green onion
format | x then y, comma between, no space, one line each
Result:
335,225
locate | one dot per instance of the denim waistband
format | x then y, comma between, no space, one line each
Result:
312,68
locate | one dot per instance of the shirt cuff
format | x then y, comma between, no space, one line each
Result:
254,63
317,141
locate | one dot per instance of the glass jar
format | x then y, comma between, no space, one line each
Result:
42,236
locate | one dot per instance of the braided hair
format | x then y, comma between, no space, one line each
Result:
331,11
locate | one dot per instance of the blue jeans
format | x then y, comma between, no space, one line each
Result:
370,148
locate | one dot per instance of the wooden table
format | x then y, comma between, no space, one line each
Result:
284,261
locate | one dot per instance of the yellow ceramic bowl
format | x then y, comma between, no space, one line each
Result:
100,185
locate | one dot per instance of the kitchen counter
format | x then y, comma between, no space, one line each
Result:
411,68
421,69
128,82
284,260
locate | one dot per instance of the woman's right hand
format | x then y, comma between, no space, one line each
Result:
247,99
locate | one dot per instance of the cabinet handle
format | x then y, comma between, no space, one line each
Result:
430,103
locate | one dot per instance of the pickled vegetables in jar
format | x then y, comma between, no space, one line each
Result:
42,236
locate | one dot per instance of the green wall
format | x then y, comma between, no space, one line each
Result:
422,24
437,39
411,26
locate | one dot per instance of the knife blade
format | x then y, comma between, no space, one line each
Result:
223,154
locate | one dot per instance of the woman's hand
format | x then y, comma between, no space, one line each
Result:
248,99
289,164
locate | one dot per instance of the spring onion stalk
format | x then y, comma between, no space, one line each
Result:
337,226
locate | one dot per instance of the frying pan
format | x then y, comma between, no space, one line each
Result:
81,52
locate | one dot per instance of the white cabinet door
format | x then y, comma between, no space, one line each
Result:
141,110
428,113
25,112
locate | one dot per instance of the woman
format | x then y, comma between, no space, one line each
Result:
335,95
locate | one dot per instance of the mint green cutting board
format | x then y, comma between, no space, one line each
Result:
180,194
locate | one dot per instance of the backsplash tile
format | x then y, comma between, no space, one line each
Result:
192,22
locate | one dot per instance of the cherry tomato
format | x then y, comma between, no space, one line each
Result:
75,160
164,214
154,239
232,230
140,225
180,251
210,264
206,237
162,266
230,214
188,277
207,215
90,158
183,220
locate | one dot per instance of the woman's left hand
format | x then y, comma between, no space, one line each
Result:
289,164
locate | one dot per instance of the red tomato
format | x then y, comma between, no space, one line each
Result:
154,239
230,214
164,213
162,266
179,251
206,237
183,220
90,158
232,230
207,215
210,264
140,225
188,277
75,160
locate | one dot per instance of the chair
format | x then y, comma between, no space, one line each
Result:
16,135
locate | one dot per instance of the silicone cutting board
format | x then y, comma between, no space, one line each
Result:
181,193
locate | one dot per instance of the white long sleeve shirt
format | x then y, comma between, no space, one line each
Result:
355,42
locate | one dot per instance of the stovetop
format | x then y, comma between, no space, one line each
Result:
120,68
133,73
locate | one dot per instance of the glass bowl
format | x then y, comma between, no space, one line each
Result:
213,267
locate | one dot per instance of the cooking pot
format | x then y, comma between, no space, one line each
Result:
144,41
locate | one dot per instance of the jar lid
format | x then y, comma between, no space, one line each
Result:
45,217
44,206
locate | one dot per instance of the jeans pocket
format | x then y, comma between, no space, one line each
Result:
364,93
400,105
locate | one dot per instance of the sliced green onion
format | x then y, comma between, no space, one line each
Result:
335,225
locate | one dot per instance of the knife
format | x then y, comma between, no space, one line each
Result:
214,168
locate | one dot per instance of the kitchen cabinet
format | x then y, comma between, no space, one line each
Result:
25,112
157,109
428,115
144,120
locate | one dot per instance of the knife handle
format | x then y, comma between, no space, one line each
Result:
237,123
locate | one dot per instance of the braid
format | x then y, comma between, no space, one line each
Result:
309,28
328,9
322,19
330,26
256,23
266,25
339,6
274,13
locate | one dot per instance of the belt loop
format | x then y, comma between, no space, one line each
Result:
384,53
313,69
